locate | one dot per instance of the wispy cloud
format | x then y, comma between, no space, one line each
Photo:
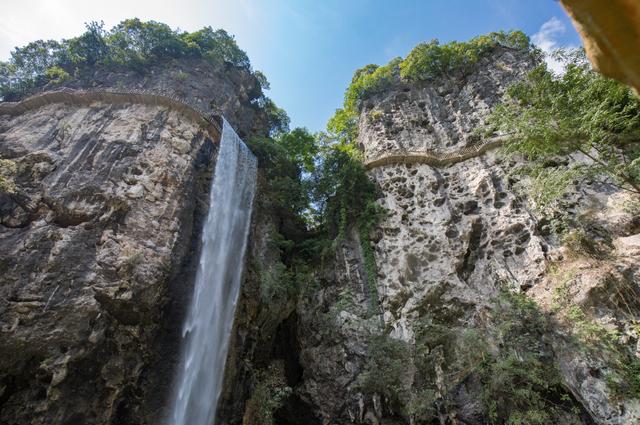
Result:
547,39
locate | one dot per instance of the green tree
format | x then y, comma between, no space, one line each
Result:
301,148
424,62
342,193
218,45
88,49
579,114
27,67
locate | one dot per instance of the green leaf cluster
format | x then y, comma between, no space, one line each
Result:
269,393
432,59
286,160
342,193
520,384
386,368
622,373
508,358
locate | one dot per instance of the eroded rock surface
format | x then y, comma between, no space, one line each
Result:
456,237
93,241
217,87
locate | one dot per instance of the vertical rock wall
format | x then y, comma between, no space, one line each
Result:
95,237
456,236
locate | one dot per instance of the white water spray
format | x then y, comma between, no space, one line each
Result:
208,326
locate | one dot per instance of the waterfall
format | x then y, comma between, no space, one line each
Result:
208,325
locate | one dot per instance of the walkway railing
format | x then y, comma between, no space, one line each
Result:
434,157
210,122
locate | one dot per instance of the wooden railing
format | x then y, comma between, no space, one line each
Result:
210,122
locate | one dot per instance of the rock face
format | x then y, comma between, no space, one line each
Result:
217,87
94,240
456,236
452,237
438,115
100,214
100,218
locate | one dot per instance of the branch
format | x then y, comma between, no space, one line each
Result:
627,179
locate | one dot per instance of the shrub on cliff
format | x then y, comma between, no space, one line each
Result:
520,385
386,372
432,59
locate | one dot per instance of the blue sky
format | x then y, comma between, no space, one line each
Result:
308,49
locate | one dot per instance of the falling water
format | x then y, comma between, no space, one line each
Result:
208,325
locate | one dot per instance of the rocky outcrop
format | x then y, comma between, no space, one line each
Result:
457,233
214,87
102,194
454,233
456,237
438,116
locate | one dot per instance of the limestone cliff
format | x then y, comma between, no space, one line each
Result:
457,239
100,209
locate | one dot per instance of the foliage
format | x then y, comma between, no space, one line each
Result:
519,384
342,192
623,366
386,369
580,115
425,61
276,284
278,120
300,147
132,44
625,382
432,59
269,393
318,188
443,360
56,74
623,374
544,183
285,160
579,243
369,267
508,358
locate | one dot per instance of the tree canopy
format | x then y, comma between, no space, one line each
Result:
132,44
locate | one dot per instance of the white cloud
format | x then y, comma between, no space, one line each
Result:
547,40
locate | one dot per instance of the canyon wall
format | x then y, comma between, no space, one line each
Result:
100,226
101,209
465,270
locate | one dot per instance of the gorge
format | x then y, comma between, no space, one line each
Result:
404,268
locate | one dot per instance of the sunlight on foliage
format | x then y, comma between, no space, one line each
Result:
8,169
132,44
581,115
